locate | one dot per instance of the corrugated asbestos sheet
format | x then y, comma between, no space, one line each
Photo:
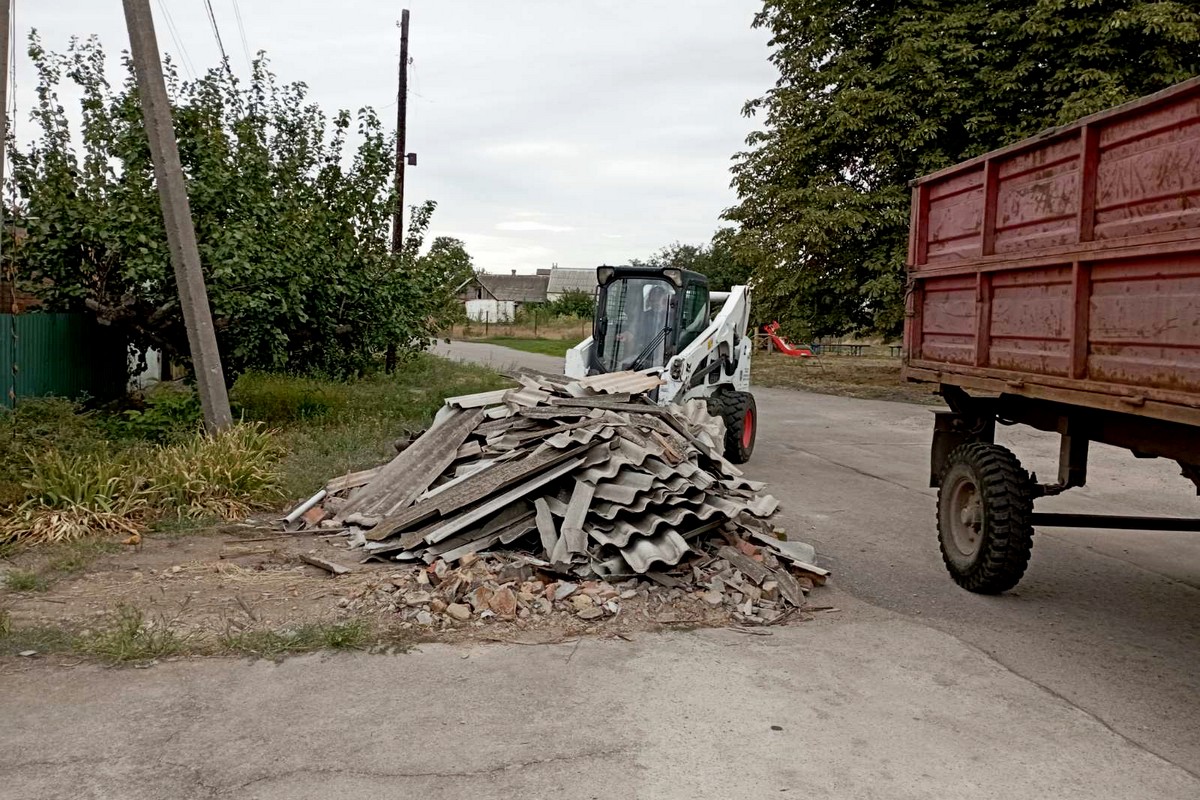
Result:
625,488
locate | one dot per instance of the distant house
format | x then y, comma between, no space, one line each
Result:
564,280
496,298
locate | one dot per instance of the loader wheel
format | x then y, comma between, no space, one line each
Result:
985,503
741,422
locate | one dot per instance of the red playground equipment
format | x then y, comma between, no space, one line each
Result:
783,346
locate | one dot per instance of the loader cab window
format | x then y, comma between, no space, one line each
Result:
695,313
636,324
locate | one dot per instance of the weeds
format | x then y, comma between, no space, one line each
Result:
130,637
24,580
352,635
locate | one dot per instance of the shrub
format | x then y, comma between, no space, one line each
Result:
170,411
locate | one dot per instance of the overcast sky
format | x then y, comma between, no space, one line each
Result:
548,131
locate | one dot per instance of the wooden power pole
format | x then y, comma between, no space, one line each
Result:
401,161
401,137
177,216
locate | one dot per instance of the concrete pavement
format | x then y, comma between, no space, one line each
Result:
1083,683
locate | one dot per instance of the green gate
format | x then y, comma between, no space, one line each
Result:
64,355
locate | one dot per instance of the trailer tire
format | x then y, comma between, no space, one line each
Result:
740,413
985,508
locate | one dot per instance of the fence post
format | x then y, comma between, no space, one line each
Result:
487,319
535,335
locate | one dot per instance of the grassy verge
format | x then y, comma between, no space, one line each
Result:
864,377
548,347
67,473
329,428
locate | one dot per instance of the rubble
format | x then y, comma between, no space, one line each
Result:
566,497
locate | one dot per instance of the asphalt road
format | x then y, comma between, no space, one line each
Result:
1108,621
1081,684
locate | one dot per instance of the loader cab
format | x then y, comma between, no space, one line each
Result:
645,316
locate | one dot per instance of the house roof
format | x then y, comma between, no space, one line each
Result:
518,288
572,280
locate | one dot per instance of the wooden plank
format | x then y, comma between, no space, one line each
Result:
472,489
744,564
545,526
483,511
577,508
413,471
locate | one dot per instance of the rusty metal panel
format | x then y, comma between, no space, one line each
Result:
1148,176
1144,323
955,218
1037,199
1031,315
1093,285
948,319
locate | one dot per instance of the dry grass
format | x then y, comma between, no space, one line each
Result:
575,329
866,377
73,496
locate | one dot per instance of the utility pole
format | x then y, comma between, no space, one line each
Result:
177,216
401,159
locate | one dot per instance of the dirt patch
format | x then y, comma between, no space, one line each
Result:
247,591
865,377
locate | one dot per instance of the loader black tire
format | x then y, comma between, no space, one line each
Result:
985,508
740,413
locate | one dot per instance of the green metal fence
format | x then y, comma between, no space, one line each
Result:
64,355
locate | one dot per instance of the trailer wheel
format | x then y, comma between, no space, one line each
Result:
740,413
985,504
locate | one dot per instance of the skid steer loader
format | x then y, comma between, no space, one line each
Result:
660,319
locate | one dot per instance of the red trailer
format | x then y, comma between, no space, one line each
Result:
1056,283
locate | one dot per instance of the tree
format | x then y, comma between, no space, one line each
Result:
293,233
449,265
872,95
719,261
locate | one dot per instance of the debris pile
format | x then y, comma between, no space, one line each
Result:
580,493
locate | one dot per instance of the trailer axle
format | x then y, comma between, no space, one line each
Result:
1040,519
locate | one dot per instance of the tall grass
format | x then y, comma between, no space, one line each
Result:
71,496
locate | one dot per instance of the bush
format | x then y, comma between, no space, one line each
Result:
169,412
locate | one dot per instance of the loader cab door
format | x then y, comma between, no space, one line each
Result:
694,311
641,315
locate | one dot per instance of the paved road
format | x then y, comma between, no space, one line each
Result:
1082,684
1108,621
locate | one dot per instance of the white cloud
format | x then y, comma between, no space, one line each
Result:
530,225
532,150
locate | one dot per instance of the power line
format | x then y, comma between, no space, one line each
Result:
184,58
237,12
212,18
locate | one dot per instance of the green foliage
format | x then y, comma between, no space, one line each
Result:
293,230
581,305
547,347
37,425
723,264
168,412
872,95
